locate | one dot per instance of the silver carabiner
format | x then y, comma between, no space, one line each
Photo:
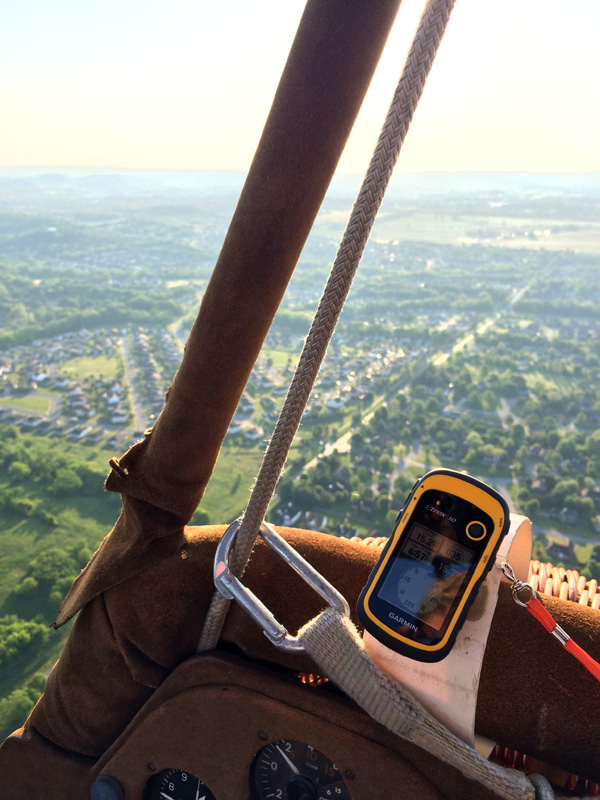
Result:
233,589
516,585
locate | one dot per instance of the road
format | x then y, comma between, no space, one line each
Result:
342,444
139,415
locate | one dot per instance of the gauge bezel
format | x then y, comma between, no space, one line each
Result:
152,790
315,766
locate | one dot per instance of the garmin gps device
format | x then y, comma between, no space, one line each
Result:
444,543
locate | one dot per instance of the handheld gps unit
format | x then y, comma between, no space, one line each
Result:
444,543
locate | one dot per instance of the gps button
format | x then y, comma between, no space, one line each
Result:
476,531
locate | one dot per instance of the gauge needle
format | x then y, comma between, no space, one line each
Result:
292,766
166,796
198,792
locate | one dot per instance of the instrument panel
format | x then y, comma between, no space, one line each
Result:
220,728
284,770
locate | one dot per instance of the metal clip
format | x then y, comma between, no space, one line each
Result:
232,589
516,585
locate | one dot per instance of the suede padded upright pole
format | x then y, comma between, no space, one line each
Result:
162,479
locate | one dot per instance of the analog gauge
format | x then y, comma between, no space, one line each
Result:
289,770
173,784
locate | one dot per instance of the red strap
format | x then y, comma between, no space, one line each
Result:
541,613
585,658
546,619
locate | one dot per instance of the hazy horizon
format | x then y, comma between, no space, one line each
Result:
82,169
127,86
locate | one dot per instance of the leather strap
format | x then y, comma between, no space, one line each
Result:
329,69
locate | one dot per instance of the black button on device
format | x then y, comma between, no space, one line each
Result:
476,531
106,788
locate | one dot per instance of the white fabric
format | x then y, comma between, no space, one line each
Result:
448,688
333,641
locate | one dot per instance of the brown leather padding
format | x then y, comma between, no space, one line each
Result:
126,642
32,767
210,700
534,697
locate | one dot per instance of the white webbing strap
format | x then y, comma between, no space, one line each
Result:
449,688
336,646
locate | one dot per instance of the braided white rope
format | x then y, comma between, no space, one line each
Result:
422,53
376,694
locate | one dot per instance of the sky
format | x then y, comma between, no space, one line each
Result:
187,85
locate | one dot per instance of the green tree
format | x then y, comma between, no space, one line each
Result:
18,315
489,400
385,464
285,488
65,482
563,489
356,441
52,565
19,635
567,447
432,406
200,517
553,459
15,708
518,434
28,585
18,471
584,506
582,421
592,444
474,401
531,507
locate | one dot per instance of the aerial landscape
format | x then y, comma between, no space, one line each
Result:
163,167
470,340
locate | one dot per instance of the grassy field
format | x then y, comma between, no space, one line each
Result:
280,358
88,516
457,228
229,487
99,367
74,524
33,403
17,541
21,538
583,553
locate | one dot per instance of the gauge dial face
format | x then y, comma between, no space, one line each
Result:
290,770
173,784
